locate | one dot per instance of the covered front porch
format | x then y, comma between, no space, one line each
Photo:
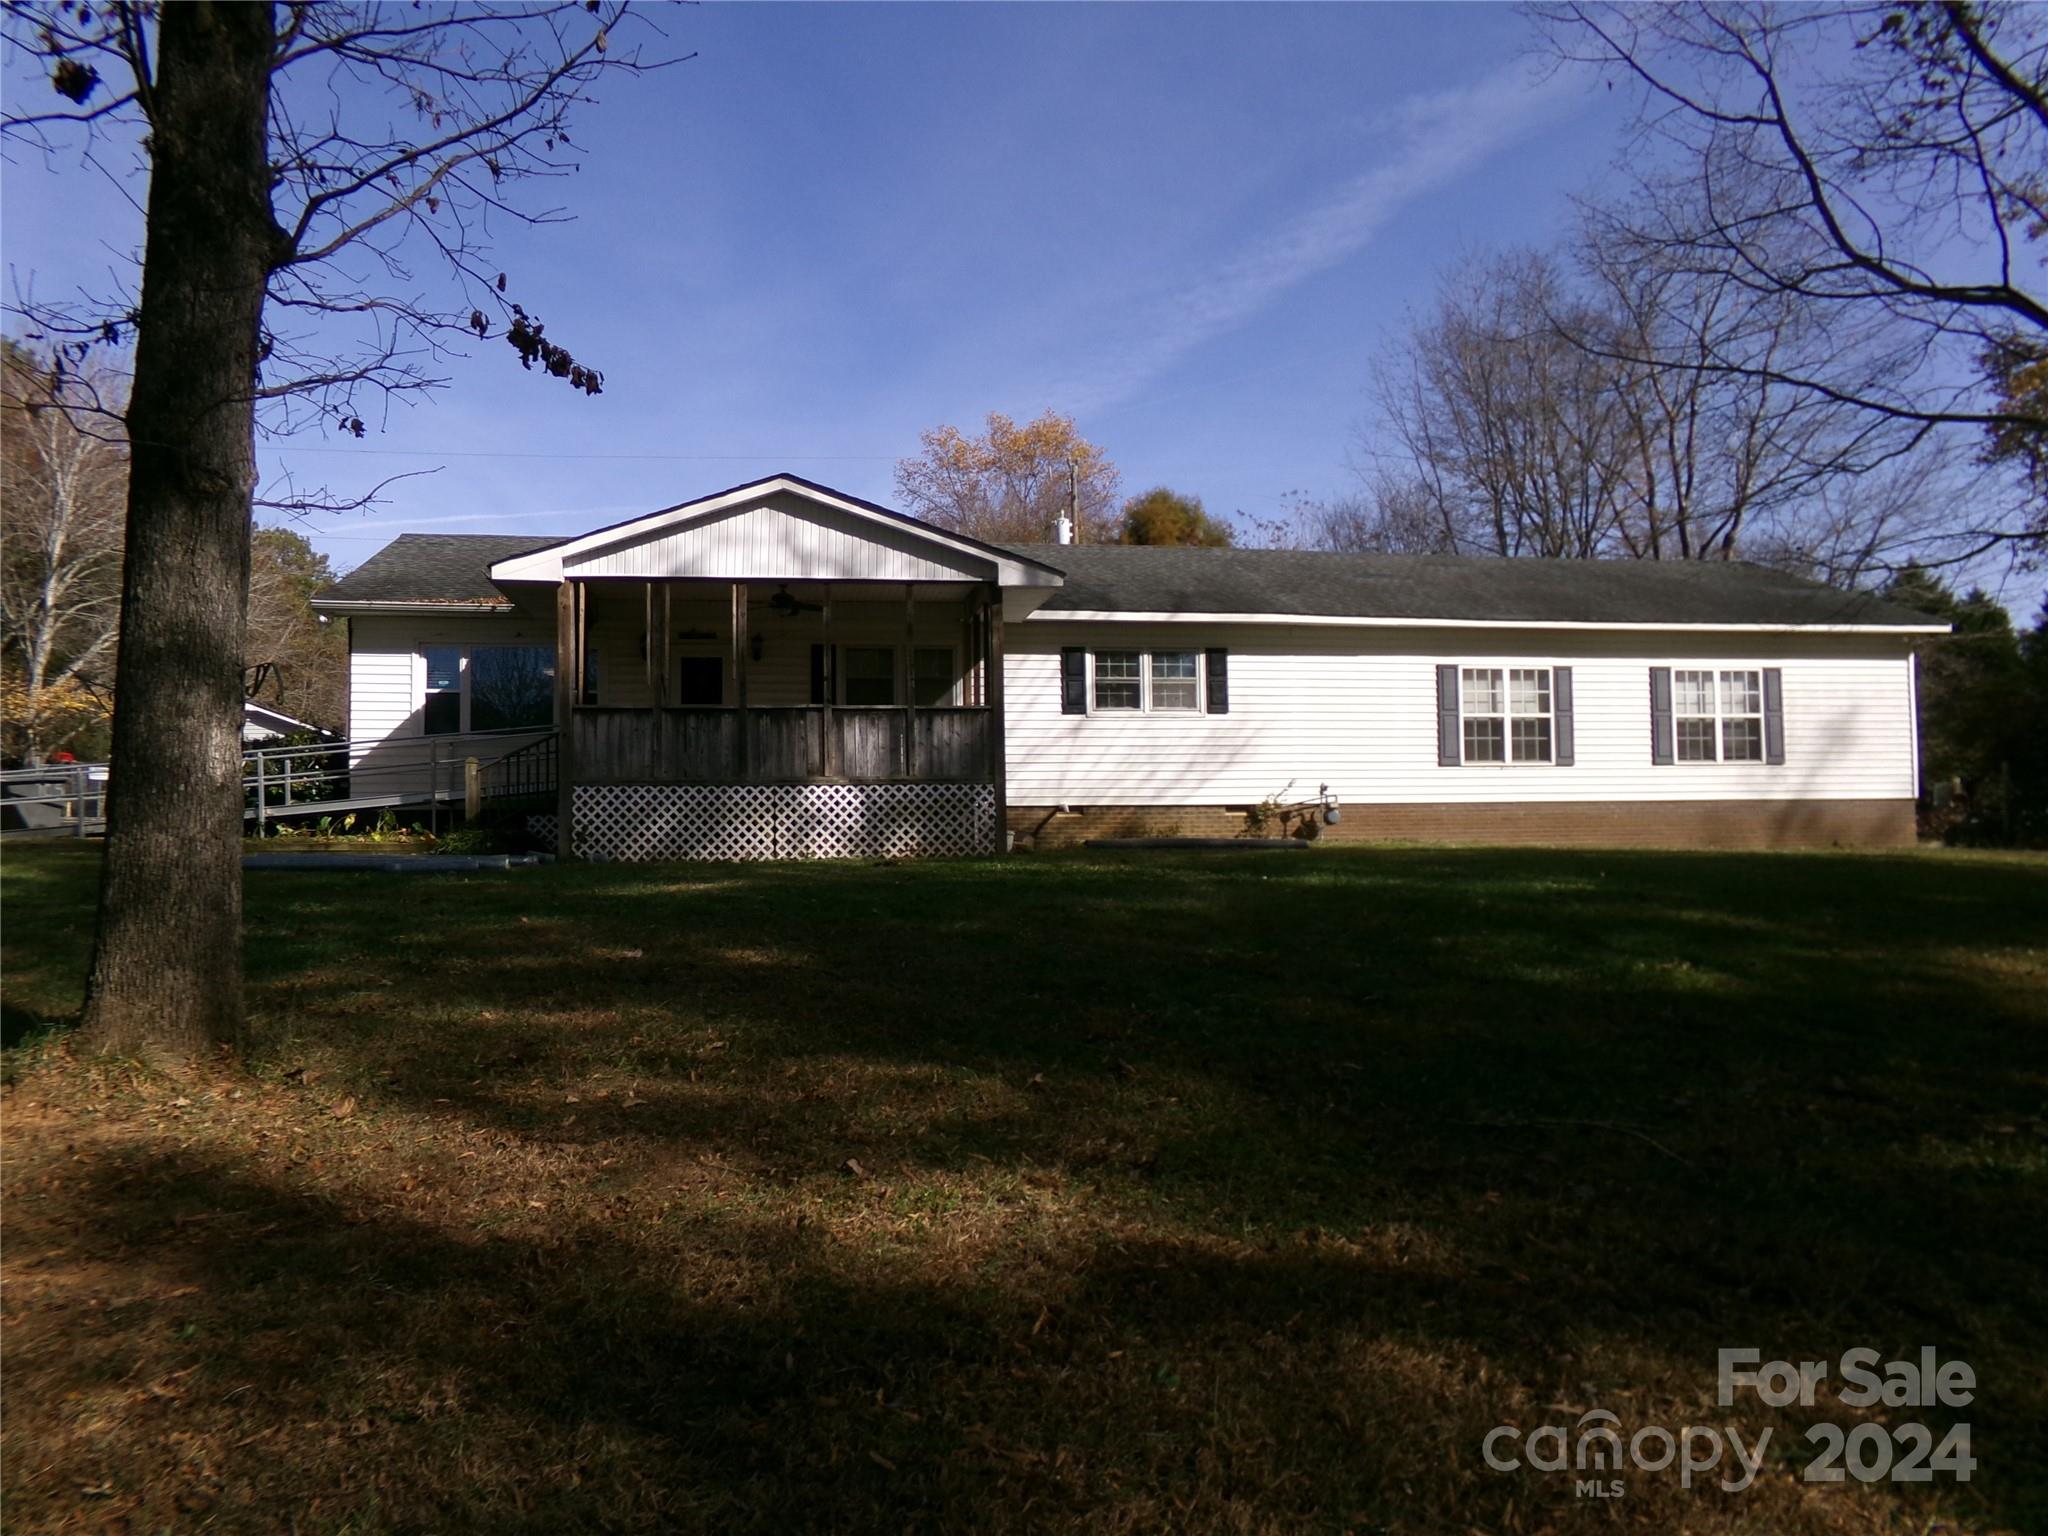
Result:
699,682
778,671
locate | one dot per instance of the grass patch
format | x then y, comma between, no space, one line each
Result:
1174,1192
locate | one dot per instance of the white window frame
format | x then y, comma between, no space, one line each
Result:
1717,713
1147,704
1152,705
464,651
1508,714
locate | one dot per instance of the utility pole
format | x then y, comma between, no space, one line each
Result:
1074,500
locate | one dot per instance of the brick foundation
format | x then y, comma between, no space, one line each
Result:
1610,824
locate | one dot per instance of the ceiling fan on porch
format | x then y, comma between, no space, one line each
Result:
789,607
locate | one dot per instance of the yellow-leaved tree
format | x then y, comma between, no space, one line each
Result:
1010,483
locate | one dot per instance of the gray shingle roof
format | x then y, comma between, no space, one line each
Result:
454,568
1126,579
433,568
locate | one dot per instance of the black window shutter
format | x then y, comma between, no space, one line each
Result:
1449,742
1774,715
1561,710
1073,680
1660,716
1216,663
821,674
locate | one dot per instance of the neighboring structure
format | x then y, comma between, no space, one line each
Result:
261,725
781,670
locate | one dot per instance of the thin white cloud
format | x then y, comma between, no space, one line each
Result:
1431,138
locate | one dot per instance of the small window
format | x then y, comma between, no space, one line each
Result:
1529,715
1176,680
1718,716
700,682
870,675
1742,717
1506,714
1484,714
441,710
1119,680
932,676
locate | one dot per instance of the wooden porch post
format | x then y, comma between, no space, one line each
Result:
831,687
993,691
970,655
568,684
657,674
909,681
744,748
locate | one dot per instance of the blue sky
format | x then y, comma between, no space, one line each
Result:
1190,226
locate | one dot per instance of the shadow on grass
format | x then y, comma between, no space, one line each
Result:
760,1379
1194,1193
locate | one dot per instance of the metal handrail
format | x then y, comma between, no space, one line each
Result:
528,770
286,779
301,790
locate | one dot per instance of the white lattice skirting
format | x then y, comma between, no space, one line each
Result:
783,821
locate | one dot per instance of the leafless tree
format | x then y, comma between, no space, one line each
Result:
310,164
1570,409
1880,167
1719,463
1494,434
65,496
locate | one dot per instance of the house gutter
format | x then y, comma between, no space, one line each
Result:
349,608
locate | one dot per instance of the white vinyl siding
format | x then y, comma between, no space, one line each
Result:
785,534
387,678
1356,708
387,671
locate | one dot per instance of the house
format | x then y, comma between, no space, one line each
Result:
783,670
262,725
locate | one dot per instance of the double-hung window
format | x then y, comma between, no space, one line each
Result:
487,688
1717,716
1506,714
1162,682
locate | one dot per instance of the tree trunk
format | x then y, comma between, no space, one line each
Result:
166,975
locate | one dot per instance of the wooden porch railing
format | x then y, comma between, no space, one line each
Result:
783,746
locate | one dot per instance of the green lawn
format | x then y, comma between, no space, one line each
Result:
1212,1193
